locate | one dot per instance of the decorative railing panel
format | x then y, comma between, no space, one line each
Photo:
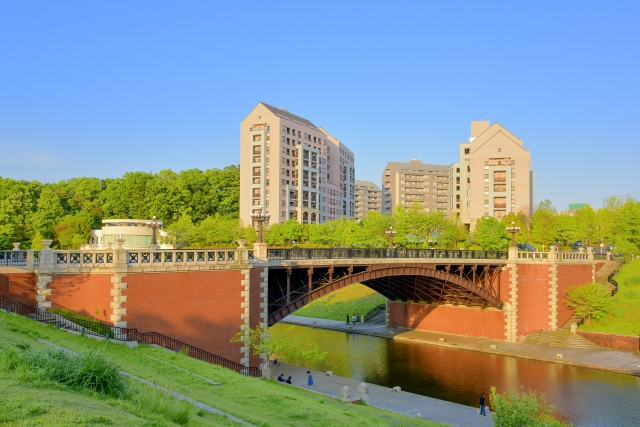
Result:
351,253
13,258
122,334
168,258
82,259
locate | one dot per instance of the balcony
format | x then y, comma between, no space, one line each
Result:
500,206
499,179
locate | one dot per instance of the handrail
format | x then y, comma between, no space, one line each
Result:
297,253
611,277
122,334
373,311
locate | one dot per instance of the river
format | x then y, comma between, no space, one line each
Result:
584,397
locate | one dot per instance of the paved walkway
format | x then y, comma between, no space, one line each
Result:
410,404
625,362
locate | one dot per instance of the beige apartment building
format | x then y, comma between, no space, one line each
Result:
493,176
293,169
368,198
406,183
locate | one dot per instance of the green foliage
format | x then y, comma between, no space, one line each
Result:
278,345
491,234
512,409
589,301
159,402
36,242
73,231
89,371
543,224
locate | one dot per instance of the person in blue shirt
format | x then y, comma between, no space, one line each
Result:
309,380
483,407
281,378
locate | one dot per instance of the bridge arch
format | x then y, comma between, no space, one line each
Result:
406,284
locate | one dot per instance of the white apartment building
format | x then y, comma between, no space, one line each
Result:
293,169
368,198
407,183
493,176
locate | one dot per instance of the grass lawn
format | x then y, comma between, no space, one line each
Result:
624,317
257,401
354,299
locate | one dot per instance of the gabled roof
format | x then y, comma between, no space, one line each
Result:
281,112
494,130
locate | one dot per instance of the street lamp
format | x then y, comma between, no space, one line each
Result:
261,218
154,225
599,228
601,249
513,230
390,233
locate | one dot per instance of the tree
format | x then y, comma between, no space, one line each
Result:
491,234
49,213
526,409
18,203
73,231
588,301
279,345
543,225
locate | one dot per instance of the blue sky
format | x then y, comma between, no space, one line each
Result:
102,88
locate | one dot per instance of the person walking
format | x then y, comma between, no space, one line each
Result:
347,319
309,380
353,320
483,407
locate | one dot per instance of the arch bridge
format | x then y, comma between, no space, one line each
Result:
458,277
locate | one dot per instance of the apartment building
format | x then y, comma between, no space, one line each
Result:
368,198
406,183
293,169
492,177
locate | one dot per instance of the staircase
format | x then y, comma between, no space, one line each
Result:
379,318
561,337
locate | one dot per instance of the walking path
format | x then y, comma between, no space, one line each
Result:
410,404
624,362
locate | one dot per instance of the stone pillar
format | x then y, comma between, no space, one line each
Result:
386,315
243,255
553,290
47,261
510,308
260,250
31,261
513,254
16,246
117,310
120,257
264,305
244,316
42,291
363,392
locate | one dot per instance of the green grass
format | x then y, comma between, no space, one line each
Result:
354,299
624,317
257,401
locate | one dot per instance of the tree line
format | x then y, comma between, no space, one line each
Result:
201,208
66,211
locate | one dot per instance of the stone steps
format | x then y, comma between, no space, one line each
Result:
561,337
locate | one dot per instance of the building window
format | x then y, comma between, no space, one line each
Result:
257,137
466,150
499,149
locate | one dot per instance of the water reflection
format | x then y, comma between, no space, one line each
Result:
585,397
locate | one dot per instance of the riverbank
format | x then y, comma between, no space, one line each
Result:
624,362
410,404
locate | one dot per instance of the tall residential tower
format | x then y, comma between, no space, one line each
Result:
293,169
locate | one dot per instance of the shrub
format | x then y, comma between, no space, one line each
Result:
91,370
589,301
160,402
635,280
631,294
526,409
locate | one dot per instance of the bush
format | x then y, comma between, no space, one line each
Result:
632,281
631,294
91,370
526,409
589,301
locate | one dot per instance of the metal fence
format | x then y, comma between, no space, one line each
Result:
17,258
611,278
122,334
373,253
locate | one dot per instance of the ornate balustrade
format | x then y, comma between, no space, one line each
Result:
17,258
374,253
182,257
553,255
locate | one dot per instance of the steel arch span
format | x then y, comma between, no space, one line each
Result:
411,284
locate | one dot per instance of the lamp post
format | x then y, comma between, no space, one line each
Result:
390,233
513,230
154,225
261,218
601,249
599,229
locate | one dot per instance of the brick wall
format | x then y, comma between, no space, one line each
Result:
20,287
533,298
83,293
570,275
200,308
453,320
619,342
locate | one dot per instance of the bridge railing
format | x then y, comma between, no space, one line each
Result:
122,334
352,253
182,257
19,258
